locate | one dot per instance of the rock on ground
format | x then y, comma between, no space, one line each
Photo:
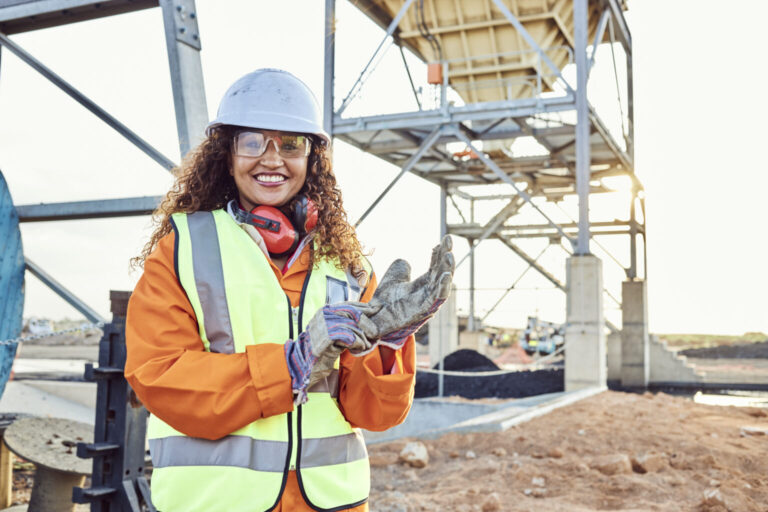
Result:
415,454
612,464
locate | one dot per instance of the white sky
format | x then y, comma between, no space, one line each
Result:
699,114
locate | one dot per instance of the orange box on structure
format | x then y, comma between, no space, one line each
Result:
435,73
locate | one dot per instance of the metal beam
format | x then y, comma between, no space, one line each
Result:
599,127
493,225
473,230
62,292
512,286
182,38
630,110
426,119
532,262
18,16
604,18
621,24
425,145
87,103
99,209
398,145
531,42
443,232
505,178
553,151
474,25
352,94
329,56
408,72
581,20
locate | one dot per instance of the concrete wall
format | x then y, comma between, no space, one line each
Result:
664,364
667,366
476,340
613,350
585,361
635,356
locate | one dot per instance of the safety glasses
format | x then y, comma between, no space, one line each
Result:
253,143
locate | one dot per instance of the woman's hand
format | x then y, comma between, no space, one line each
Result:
332,330
400,306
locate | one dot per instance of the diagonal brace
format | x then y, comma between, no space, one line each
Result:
425,146
505,178
62,292
532,262
81,98
494,224
531,42
353,92
512,286
601,25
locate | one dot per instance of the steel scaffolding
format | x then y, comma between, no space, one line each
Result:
183,45
499,106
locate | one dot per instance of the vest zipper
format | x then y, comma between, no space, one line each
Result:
291,316
299,322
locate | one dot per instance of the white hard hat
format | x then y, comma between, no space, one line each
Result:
271,99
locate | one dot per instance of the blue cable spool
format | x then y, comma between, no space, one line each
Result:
11,281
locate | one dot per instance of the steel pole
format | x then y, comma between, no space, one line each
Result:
580,19
630,109
182,38
425,145
632,237
471,319
443,232
330,62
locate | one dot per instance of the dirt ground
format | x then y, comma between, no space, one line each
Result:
614,451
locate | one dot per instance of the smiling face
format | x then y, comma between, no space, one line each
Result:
269,179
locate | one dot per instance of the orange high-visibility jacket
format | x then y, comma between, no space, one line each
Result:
209,395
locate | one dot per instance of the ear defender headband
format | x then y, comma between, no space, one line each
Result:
280,232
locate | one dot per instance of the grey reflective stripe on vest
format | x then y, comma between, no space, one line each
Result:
327,451
209,280
238,451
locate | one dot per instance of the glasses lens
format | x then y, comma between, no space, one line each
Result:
250,144
293,145
254,144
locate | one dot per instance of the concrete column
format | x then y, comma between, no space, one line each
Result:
585,355
635,360
444,331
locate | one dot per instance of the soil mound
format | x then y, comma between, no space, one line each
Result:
741,351
466,360
513,384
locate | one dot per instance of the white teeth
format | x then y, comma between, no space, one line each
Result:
270,178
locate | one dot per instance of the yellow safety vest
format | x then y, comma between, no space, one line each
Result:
238,302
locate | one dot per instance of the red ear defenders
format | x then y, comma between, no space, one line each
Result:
282,234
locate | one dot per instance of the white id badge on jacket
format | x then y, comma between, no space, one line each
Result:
335,290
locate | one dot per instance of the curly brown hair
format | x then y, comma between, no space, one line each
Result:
203,183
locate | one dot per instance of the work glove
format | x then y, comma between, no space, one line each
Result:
312,355
401,306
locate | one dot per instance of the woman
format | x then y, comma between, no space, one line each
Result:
249,338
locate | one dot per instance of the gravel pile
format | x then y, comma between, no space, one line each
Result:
517,384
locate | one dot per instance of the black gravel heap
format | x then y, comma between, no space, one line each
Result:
757,350
508,385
